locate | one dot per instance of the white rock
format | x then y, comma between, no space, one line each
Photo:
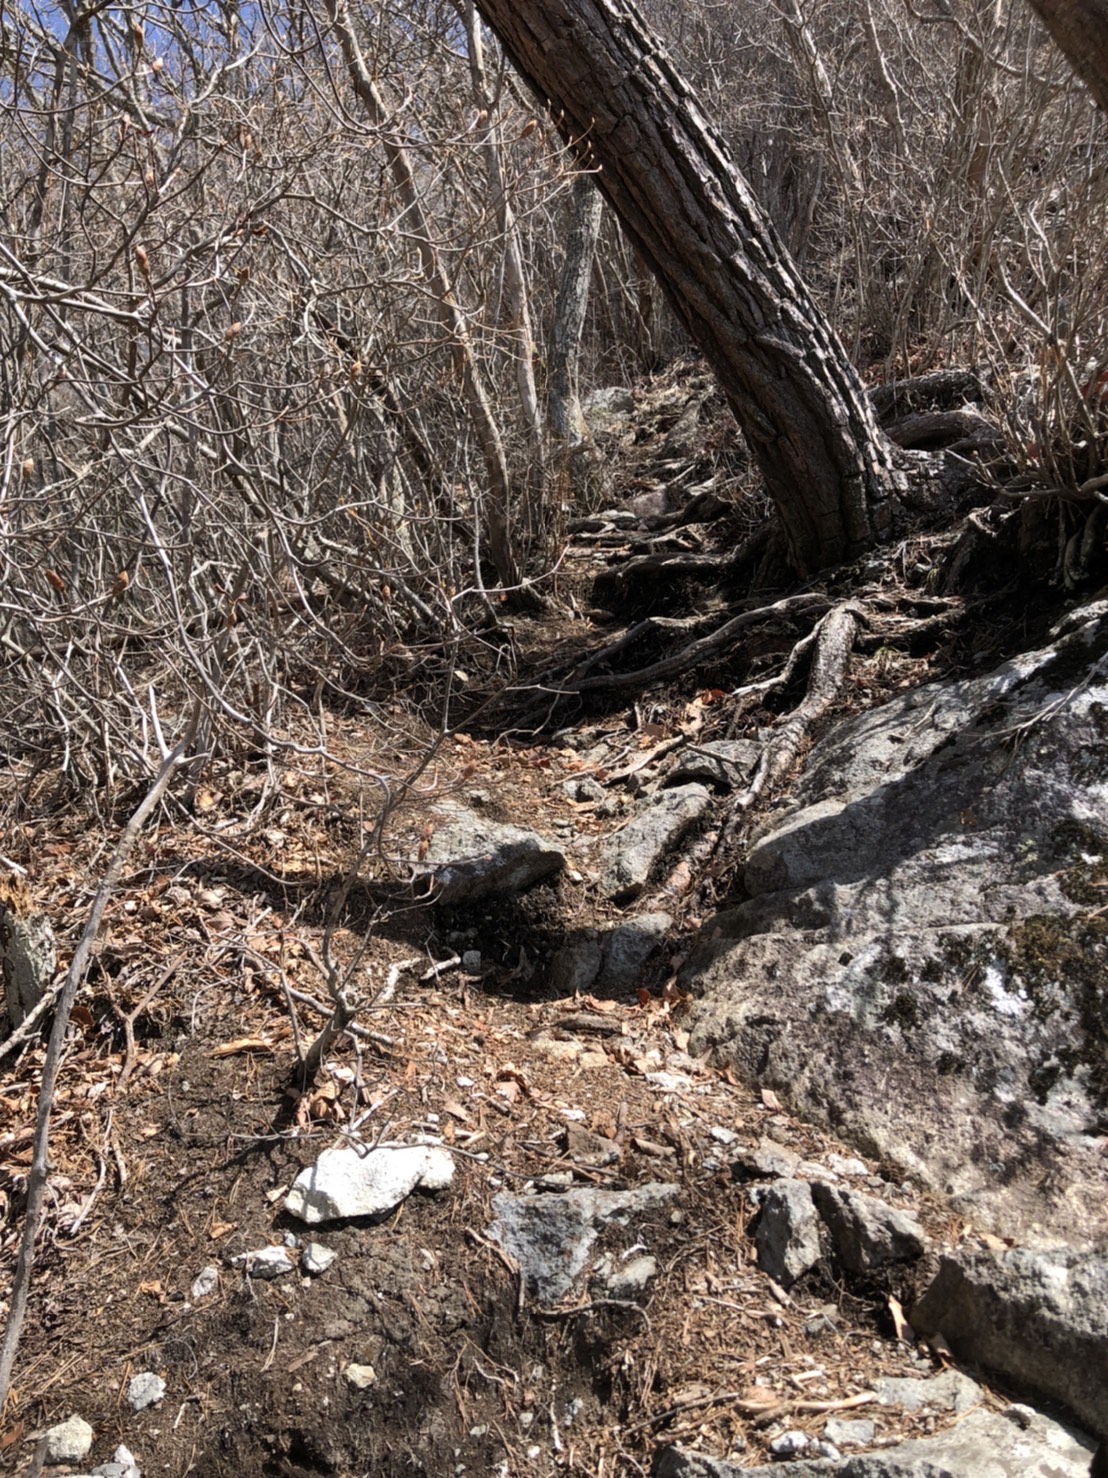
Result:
789,1444
361,1376
205,1282
124,1457
631,1280
344,1183
145,1390
266,1262
670,1082
847,1165
316,1258
69,1441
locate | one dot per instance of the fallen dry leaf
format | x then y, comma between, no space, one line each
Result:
770,1099
12,1435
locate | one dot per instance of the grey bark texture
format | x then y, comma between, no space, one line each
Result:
622,106
567,420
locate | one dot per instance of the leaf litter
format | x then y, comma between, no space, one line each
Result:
180,1125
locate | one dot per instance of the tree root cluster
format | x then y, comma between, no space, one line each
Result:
886,614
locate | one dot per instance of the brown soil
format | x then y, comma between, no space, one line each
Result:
172,1154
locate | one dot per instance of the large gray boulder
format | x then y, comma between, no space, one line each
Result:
919,960
470,857
867,1234
634,855
1039,1318
984,1444
608,960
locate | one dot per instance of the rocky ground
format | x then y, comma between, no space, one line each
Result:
672,1136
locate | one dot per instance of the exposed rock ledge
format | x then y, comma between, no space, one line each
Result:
921,956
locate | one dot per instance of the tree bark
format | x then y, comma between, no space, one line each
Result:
620,103
1080,30
563,400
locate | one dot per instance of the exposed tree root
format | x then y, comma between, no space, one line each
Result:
941,389
692,654
960,431
833,639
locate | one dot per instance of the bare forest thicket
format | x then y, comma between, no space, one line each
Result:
289,331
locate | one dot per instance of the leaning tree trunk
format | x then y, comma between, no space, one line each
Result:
567,420
620,103
1080,29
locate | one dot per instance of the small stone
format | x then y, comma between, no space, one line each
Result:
725,763
630,1281
857,1433
818,1326
145,1389
867,1233
583,789
586,1148
769,1161
69,1441
316,1258
555,1180
787,1235
552,1236
359,1376
122,1465
789,1444
949,1391
471,961
267,1263
471,857
205,1282
558,1049
575,966
635,854
669,1082
626,949
813,1170
847,1165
